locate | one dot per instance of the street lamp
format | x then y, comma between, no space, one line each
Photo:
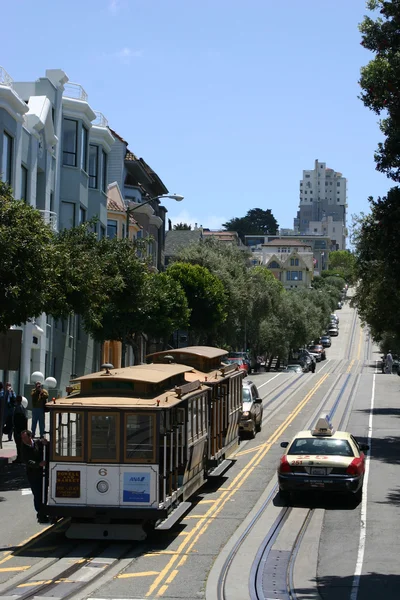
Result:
130,210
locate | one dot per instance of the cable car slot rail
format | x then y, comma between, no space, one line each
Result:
70,580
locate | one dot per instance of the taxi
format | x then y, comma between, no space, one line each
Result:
322,459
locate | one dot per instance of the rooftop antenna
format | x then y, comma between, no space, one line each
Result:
107,367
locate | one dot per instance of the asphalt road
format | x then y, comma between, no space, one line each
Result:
348,551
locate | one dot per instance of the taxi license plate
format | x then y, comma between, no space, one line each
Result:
318,471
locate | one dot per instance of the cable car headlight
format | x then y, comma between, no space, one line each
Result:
103,486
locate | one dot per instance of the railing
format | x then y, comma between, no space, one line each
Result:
5,78
50,218
100,120
75,91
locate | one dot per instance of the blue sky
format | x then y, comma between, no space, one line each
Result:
228,101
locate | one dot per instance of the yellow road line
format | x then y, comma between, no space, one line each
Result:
203,523
7,569
141,574
162,590
172,576
33,583
28,542
248,450
350,366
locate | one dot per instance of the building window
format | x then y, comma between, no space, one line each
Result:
287,275
24,183
70,139
307,176
104,171
292,262
93,166
6,165
82,215
338,184
112,228
300,275
67,215
84,144
273,265
296,262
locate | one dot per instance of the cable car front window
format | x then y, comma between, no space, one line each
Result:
68,435
103,438
139,441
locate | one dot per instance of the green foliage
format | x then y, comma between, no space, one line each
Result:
343,263
380,80
256,222
182,227
378,267
205,296
164,306
26,268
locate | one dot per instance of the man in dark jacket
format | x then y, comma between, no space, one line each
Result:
20,422
32,456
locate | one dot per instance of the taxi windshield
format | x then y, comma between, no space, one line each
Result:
316,445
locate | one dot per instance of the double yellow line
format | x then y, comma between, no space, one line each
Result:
168,574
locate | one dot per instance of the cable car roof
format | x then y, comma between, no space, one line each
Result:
205,351
154,373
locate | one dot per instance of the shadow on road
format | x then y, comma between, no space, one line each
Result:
13,478
371,586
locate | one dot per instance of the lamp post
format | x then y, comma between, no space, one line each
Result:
130,210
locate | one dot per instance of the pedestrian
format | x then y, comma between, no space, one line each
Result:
313,365
9,405
39,398
32,455
20,421
389,362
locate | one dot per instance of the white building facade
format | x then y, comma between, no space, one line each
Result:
323,204
54,154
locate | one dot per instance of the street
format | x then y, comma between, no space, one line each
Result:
239,541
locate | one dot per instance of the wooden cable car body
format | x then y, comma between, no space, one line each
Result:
225,400
130,448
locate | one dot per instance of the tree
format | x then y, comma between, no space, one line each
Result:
380,80
256,222
231,265
182,227
164,306
343,263
205,295
26,267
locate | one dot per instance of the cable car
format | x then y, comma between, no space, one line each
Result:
225,401
130,446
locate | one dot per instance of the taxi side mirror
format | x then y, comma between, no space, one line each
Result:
284,444
258,400
364,447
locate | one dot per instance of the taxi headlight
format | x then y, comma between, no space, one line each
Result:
245,415
103,486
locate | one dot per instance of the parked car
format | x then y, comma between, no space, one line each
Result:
296,368
333,331
244,355
325,341
339,304
334,317
303,358
243,364
252,410
318,351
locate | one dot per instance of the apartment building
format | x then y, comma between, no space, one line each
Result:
60,156
323,204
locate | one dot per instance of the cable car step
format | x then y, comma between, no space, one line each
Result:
222,467
176,514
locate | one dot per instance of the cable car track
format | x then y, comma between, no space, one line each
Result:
259,563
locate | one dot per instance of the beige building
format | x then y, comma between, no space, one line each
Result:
290,261
116,227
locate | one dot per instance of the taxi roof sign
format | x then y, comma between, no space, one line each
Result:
323,426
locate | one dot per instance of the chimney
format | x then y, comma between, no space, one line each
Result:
169,224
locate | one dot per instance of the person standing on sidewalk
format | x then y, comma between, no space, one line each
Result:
9,403
32,456
20,424
39,398
389,362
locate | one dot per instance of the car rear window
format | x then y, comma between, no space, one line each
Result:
327,446
246,395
